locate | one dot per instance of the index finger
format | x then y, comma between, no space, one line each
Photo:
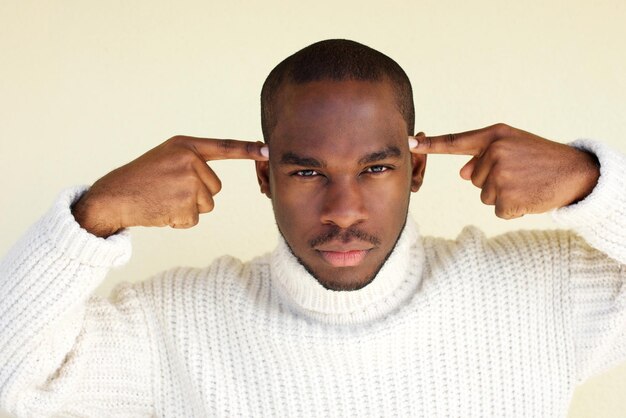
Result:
462,143
228,149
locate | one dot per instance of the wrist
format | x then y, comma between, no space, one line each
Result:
92,216
589,175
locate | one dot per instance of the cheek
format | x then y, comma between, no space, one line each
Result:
295,204
390,192
387,208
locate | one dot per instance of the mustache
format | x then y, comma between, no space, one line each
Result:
344,235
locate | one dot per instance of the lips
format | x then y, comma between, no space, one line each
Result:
344,255
344,258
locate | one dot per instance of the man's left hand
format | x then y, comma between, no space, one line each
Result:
518,172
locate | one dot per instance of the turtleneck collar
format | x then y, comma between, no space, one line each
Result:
396,281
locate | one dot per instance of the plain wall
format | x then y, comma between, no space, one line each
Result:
87,86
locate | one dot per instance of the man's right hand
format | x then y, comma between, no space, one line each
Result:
168,185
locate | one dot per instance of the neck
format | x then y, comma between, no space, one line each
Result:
395,281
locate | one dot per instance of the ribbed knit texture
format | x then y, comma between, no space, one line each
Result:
471,327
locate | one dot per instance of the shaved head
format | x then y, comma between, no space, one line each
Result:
336,60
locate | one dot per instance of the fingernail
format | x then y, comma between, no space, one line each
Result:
265,151
412,142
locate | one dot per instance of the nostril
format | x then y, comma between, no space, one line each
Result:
344,212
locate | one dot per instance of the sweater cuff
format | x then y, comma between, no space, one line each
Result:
65,234
600,218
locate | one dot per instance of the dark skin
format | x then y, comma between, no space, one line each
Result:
170,185
518,172
339,176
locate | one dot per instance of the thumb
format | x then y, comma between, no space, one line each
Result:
468,169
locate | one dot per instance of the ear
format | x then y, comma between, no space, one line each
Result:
263,176
418,162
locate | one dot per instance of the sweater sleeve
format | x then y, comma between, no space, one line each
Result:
63,351
597,265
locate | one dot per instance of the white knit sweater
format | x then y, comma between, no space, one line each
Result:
472,327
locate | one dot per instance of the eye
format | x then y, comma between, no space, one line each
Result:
375,169
306,173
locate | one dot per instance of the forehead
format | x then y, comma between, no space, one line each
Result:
339,118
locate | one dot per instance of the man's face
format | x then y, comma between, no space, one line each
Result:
339,175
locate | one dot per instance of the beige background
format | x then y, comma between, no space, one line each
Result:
87,86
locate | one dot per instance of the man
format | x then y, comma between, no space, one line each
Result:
354,313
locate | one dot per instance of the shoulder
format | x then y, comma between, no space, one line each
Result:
526,267
223,281
472,245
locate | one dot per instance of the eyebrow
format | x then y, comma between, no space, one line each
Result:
389,152
291,158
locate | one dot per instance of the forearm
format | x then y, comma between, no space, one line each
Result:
46,276
600,218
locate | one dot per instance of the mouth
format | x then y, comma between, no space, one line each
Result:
344,256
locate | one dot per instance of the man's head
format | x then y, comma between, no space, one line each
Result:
337,115
336,60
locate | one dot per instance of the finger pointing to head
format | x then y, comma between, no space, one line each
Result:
463,143
227,149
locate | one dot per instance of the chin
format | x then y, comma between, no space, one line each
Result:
348,284
335,279
342,281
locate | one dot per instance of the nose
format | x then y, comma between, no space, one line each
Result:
344,204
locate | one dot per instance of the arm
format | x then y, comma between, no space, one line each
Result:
584,186
58,347
597,260
62,351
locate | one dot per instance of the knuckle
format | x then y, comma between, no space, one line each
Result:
497,150
475,180
501,212
218,186
183,194
174,222
205,202
184,221
185,158
250,148
507,197
451,140
176,139
486,196
515,211
502,129
504,175
498,172
510,211
204,208
193,181
225,146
